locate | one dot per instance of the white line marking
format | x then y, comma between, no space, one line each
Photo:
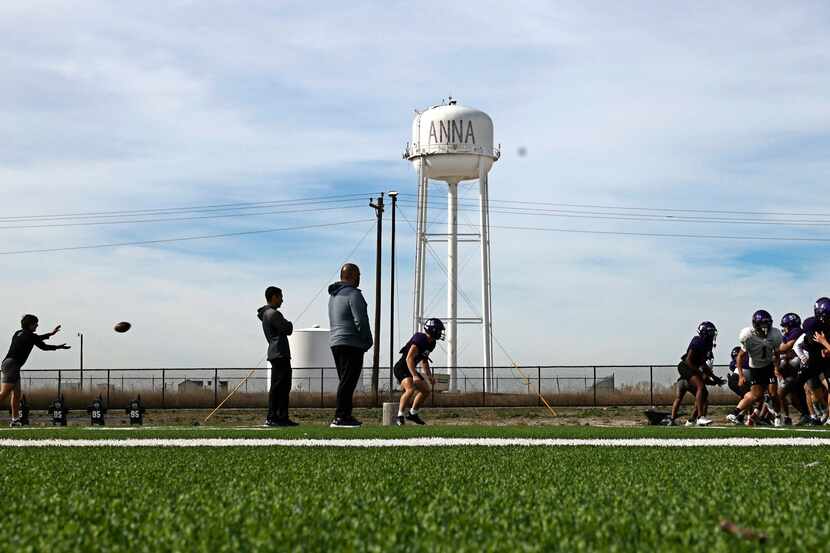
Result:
422,442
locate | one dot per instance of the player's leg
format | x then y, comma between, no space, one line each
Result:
6,391
15,399
696,382
422,392
682,388
409,390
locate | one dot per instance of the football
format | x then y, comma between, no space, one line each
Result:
123,326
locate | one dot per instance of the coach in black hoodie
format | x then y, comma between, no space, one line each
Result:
277,330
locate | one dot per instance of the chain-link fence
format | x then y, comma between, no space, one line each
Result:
192,388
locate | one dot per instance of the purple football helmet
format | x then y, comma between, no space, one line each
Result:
707,330
790,321
762,322
735,352
822,310
434,328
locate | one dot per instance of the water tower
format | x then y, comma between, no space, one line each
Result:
453,143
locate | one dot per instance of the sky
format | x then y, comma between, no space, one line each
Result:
117,106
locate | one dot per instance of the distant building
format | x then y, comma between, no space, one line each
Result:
189,385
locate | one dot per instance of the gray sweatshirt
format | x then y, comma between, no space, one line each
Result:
277,330
348,319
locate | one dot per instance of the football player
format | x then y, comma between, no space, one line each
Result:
732,378
788,369
415,352
760,342
693,370
812,347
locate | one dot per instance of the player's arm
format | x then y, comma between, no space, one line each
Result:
49,334
739,367
800,350
46,347
410,361
428,370
822,339
786,346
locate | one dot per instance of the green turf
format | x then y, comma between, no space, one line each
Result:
321,431
437,499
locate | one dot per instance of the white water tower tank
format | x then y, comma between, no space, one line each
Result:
465,133
310,355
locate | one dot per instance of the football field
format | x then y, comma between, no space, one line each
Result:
413,489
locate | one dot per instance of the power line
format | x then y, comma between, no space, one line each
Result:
201,208
657,209
623,217
659,235
176,219
182,239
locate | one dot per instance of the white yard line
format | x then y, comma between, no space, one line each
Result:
421,442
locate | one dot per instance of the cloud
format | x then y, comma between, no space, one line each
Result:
700,107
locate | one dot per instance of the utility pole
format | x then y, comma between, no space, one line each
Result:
394,196
81,336
378,207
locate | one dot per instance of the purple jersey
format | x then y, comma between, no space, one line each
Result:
793,334
811,326
422,342
699,351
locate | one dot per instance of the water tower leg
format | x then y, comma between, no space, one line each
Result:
424,215
417,300
486,294
452,284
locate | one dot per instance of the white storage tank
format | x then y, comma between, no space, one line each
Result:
311,360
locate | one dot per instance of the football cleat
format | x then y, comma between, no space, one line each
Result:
703,421
690,422
15,423
668,421
415,418
778,422
734,419
400,420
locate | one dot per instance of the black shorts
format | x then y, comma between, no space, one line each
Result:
11,371
685,387
762,376
686,372
401,371
732,381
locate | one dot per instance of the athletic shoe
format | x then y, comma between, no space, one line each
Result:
15,423
703,421
287,422
345,423
788,421
689,422
400,420
733,418
668,421
806,420
270,424
778,422
415,418
827,422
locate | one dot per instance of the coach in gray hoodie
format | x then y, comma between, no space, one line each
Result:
277,330
350,339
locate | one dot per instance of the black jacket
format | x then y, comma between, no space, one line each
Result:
277,330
